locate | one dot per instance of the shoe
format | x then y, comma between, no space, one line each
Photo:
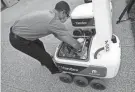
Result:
59,71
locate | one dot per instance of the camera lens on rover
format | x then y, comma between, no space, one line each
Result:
77,32
87,33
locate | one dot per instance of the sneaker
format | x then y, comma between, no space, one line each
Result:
59,71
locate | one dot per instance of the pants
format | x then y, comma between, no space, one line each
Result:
34,49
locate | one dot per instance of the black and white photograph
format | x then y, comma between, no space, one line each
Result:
67,45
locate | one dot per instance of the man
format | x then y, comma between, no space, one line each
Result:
25,33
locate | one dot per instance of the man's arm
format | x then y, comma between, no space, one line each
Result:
70,40
59,31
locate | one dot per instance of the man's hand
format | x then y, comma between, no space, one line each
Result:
83,52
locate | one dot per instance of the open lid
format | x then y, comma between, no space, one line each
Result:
83,11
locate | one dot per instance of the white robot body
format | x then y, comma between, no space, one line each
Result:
104,51
81,9
109,62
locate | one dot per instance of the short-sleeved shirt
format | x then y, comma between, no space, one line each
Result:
37,25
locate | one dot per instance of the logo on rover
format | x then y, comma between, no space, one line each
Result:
94,71
79,23
107,46
68,68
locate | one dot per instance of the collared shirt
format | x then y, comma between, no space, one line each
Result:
38,24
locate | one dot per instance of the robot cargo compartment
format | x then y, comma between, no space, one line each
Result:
65,51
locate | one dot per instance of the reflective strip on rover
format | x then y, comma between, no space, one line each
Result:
89,71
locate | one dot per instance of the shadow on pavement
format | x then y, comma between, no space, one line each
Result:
133,30
131,15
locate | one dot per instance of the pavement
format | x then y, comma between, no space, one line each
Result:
21,73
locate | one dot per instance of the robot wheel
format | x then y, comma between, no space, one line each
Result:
83,81
98,84
66,78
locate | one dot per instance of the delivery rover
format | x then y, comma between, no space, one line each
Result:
92,24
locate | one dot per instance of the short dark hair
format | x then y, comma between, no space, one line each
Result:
62,5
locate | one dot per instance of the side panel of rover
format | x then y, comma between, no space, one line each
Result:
102,59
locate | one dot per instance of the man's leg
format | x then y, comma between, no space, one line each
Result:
40,44
36,51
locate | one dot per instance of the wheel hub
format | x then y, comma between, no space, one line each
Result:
65,79
80,82
99,86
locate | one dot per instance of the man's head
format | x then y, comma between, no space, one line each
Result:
63,10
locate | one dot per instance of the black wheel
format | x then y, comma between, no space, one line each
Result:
87,33
78,32
98,84
81,81
87,1
66,78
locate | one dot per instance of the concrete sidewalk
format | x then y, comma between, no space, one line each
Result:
21,73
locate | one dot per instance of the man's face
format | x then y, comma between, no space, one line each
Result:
63,16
